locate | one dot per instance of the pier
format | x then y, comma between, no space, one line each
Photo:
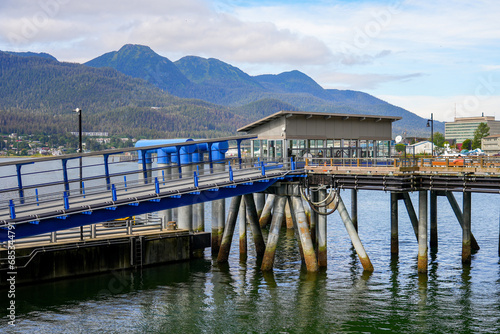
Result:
107,213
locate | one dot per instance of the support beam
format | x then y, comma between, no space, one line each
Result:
322,232
460,218
232,216
306,243
251,213
265,217
314,218
218,216
466,229
358,246
274,231
422,232
394,225
434,228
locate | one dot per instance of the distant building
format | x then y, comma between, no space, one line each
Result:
491,144
464,127
423,147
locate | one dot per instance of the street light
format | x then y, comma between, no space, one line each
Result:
79,112
430,123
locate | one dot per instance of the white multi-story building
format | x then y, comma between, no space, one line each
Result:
491,144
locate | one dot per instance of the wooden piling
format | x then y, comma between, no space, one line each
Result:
411,213
272,240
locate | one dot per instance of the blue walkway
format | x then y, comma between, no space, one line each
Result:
45,195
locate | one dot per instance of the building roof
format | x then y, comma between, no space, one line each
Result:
492,136
282,113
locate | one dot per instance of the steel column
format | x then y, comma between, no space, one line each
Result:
274,231
265,217
358,246
460,217
422,232
354,208
434,227
304,235
394,224
466,229
260,201
232,216
251,213
322,231
185,213
243,231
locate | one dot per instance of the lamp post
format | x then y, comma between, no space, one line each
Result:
430,123
79,112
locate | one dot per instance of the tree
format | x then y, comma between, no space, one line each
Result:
438,139
466,145
482,131
400,147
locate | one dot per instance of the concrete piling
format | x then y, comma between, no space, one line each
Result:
272,240
422,232
304,234
394,225
322,231
265,217
314,217
232,216
295,227
358,246
253,220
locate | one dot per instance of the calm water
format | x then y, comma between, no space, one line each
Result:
203,297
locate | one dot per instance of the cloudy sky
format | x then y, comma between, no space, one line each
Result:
427,56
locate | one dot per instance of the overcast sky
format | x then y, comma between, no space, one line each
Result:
427,56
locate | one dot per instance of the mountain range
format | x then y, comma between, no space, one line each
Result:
135,91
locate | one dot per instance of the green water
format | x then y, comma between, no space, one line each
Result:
203,297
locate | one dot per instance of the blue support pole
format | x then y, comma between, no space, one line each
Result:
113,193
230,172
195,175
144,166
65,173
125,181
262,168
106,171
66,200
238,142
12,209
20,181
83,189
157,186
36,196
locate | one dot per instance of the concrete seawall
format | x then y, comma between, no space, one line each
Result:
42,261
